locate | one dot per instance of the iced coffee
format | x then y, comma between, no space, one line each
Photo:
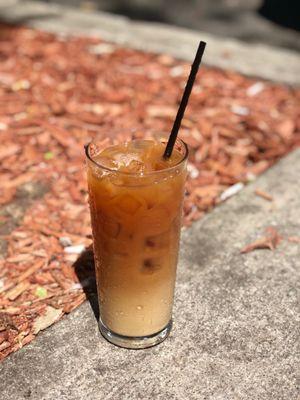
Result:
136,203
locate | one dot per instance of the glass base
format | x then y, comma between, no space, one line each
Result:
135,342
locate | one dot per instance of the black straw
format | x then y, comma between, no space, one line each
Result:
184,100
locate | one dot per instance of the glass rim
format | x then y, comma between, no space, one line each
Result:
141,175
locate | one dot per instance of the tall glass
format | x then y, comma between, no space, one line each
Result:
136,221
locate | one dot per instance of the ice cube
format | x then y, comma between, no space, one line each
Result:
151,265
106,161
128,162
124,159
141,145
111,228
129,204
159,241
135,166
155,221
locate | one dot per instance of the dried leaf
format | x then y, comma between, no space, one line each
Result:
270,241
44,321
263,243
49,155
41,292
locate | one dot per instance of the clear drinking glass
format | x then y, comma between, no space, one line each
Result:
136,221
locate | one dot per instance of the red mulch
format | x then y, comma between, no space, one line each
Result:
58,93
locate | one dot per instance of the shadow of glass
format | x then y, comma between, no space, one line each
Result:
84,268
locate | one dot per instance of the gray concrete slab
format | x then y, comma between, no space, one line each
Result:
239,19
236,330
256,60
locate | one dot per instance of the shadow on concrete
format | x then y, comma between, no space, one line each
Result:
140,13
85,270
285,13
252,21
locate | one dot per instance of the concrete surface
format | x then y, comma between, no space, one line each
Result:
251,59
236,330
246,20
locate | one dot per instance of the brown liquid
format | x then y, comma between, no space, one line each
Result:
136,217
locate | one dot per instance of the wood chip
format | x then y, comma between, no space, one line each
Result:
231,191
20,258
7,151
15,292
294,239
24,275
20,180
161,112
75,303
27,339
4,345
11,310
58,276
263,194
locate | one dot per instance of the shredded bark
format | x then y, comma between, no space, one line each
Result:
58,93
